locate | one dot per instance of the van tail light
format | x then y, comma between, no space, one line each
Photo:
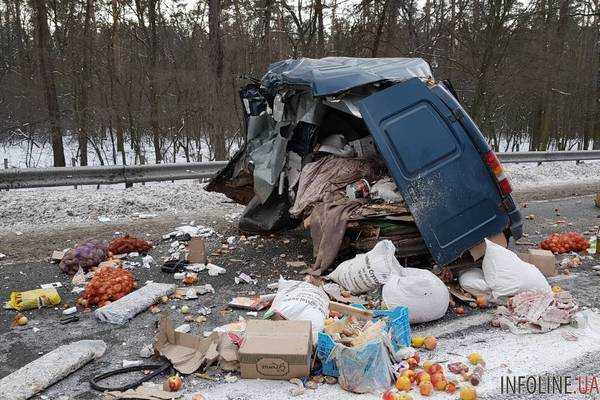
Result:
496,167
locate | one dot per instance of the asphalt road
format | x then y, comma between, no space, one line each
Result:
264,258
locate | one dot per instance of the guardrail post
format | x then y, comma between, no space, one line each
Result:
73,164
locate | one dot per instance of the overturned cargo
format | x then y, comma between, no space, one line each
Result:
360,150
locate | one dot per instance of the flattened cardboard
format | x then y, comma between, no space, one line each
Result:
197,251
544,260
186,352
276,350
478,251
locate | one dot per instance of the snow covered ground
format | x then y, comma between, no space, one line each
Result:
66,205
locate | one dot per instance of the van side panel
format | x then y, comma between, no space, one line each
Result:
436,166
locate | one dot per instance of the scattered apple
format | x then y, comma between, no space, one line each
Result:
440,385
475,358
468,393
430,342
436,378
185,309
426,388
556,289
435,368
412,363
21,320
173,383
417,341
427,365
417,357
403,383
388,395
451,387
459,311
402,396
164,299
422,376
410,374
481,301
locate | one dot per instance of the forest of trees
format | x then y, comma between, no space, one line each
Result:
133,75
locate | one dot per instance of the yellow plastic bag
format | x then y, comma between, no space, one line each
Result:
32,299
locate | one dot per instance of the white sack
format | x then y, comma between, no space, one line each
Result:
301,301
366,272
472,281
508,275
127,307
423,293
49,369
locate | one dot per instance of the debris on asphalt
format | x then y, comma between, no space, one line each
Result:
197,251
244,278
50,368
186,352
214,270
32,299
125,308
69,311
536,312
57,256
544,260
147,261
51,285
255,303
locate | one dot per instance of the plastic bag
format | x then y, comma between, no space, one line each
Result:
508,275
473,282
364,369
423,293
301,301
366,272
33,299
85,255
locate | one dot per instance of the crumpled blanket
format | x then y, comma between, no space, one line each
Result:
327,228
328,177
536,312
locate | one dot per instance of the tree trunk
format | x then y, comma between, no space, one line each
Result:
154,108
84,122
217,136
47,73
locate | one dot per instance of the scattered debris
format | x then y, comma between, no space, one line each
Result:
244,278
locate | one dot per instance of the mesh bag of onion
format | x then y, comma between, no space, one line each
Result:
85,255
107,285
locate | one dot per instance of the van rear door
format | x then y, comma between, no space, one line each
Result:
441,174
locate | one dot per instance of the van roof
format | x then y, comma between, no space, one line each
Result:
332,75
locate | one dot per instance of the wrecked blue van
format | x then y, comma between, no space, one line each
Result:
452,190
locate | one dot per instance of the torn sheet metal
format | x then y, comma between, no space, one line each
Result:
331,75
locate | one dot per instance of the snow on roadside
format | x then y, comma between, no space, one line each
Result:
530,174
65,205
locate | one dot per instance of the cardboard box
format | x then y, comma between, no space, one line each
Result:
478,250
197,251
276,350
544,260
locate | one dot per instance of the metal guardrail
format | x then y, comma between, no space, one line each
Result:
106,175
548,156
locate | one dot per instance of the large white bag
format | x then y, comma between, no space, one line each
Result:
508,275
473,282
368,271
423,293
301,301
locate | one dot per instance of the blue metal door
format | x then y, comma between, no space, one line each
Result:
445,183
